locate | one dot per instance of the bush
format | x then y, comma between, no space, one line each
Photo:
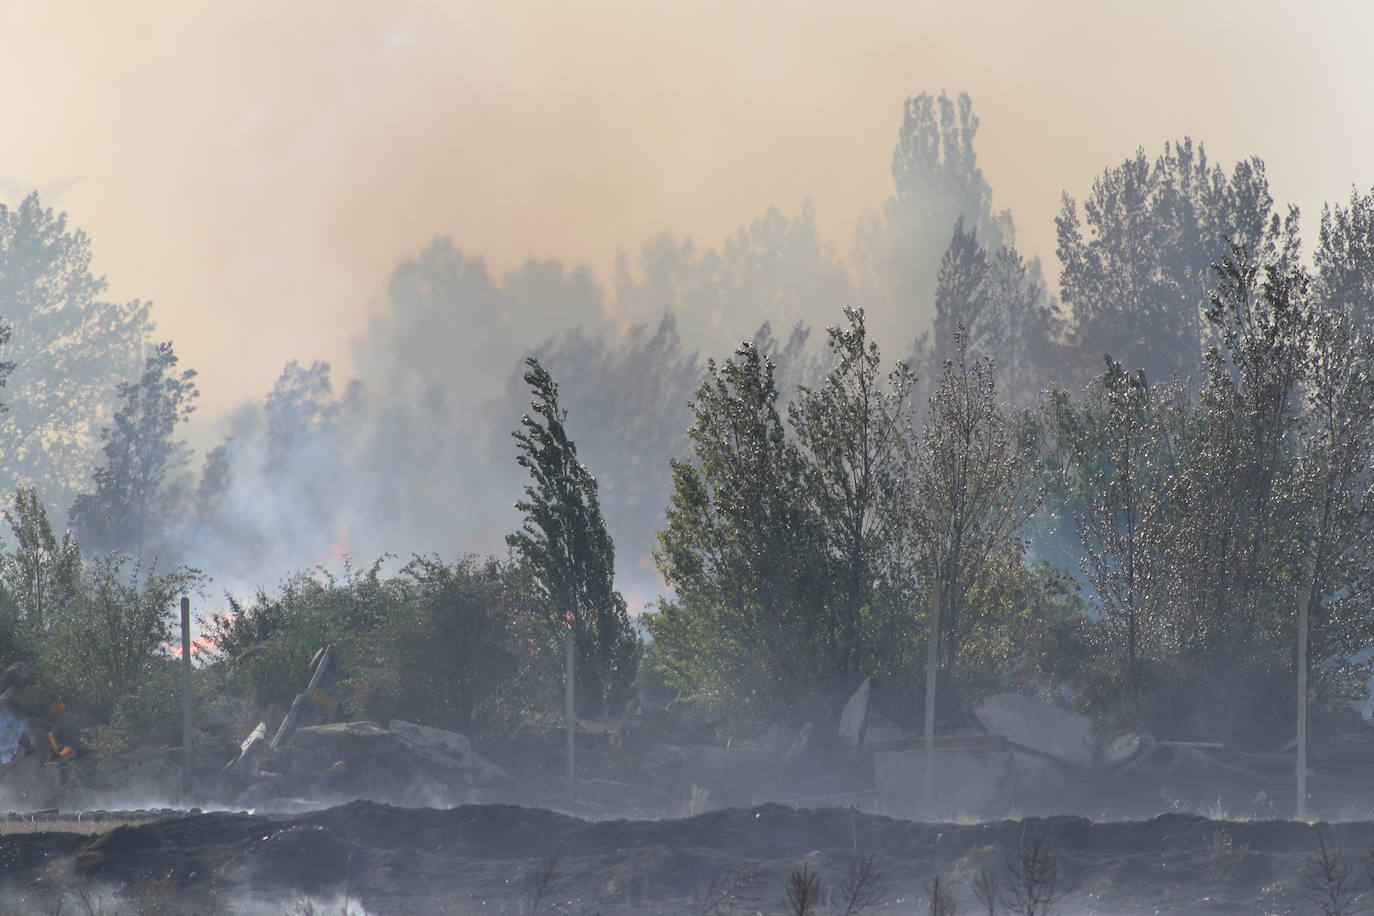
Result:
449,645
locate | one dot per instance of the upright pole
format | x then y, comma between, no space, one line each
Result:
185,699
570,713
932,666
1304,599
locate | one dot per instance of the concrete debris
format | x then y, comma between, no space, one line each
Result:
1058,733
447,749
855,715
352,741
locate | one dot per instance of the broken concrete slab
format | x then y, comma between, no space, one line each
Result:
1058,733
855,714
347,740
447,749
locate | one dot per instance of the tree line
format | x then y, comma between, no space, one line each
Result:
1118,494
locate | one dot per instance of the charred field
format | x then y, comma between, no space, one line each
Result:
376,858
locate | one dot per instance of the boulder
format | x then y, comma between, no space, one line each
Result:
349,741
447,749
1058,733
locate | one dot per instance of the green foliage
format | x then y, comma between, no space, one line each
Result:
744,552
854,433
462,652
101,648
802,564
973,489
269,642
1204,519
564,542
41,574
455,646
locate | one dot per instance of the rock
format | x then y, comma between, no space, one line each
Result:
292,761
855,714
1058,733
347,740
447,749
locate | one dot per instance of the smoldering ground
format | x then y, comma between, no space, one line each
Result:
503,859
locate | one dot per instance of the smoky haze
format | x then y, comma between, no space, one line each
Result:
257,171
421,195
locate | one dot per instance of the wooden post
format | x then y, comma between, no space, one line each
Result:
570,713
932,667
185,699
1304,599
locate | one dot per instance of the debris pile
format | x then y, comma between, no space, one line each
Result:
1022,754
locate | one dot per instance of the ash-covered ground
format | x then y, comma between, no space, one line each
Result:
378,858
1039,809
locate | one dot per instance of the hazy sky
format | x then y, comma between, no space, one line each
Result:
257,171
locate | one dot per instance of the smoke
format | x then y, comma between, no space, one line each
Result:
414,453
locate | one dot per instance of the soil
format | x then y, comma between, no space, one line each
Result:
377,858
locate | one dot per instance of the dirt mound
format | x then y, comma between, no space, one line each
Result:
494,858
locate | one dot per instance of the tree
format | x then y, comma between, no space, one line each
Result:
936,182
634,389
139,485
746,632
1344,260
996,300
1239,526
971,491
776,269
564,542
1334,479
69,350
1137,278
41,572
854,433
1117,446
106,641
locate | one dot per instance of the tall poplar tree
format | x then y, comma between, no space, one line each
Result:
564,542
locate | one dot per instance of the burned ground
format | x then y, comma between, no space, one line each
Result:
490,858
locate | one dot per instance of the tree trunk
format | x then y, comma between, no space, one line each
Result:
570,712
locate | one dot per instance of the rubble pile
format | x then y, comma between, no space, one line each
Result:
1023,754
309,761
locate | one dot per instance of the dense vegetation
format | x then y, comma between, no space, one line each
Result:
1119,497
